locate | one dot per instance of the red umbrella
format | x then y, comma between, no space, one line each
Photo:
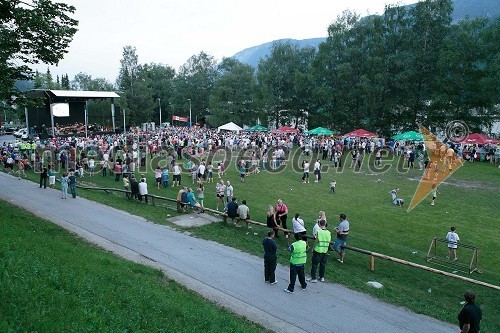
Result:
285,130
479,139
361,133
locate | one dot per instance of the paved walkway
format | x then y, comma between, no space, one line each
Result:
227,276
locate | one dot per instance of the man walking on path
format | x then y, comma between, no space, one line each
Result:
342,232
270,248
298,259
323,238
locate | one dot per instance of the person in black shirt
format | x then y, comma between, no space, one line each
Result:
270,248
231,209
134,187
470,316
43,177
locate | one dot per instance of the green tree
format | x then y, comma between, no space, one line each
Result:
25,29
462,64
99,111
333,73
159,79
490,89
232,98
49,80
430,24
285,83
135,94
194,82
37,80
65,84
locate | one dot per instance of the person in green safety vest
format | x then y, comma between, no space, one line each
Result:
298,259
320,250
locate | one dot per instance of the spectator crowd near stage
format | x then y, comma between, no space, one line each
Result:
265,149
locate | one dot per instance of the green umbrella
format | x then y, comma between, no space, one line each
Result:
411,135
320,131
257,128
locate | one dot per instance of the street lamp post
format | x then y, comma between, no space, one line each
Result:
190,123
159,104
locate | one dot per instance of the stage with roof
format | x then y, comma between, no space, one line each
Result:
68,110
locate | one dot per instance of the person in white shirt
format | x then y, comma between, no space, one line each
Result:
91,166
143,190
298,227
229,191
317,171
201,171
177,175
244,213
452,238
342,232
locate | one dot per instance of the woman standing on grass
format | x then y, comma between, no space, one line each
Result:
220,189
281,215
271,220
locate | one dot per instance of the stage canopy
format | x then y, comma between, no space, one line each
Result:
229,127
68,106
59,96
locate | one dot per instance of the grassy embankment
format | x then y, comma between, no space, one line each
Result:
51,281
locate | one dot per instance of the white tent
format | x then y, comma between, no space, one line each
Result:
229,127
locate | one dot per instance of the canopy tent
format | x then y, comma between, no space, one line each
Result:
411,135
479,139
257,128
320,131
285,130
229,127
361,133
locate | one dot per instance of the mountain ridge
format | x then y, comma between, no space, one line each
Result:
461,9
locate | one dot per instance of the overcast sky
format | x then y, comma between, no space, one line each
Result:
170,32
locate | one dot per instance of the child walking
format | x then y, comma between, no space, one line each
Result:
333,184
434,193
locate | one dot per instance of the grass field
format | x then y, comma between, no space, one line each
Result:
468,200
52,281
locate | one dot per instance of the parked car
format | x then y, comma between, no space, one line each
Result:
8,130
20,132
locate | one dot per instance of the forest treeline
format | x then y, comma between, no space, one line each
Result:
385,73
